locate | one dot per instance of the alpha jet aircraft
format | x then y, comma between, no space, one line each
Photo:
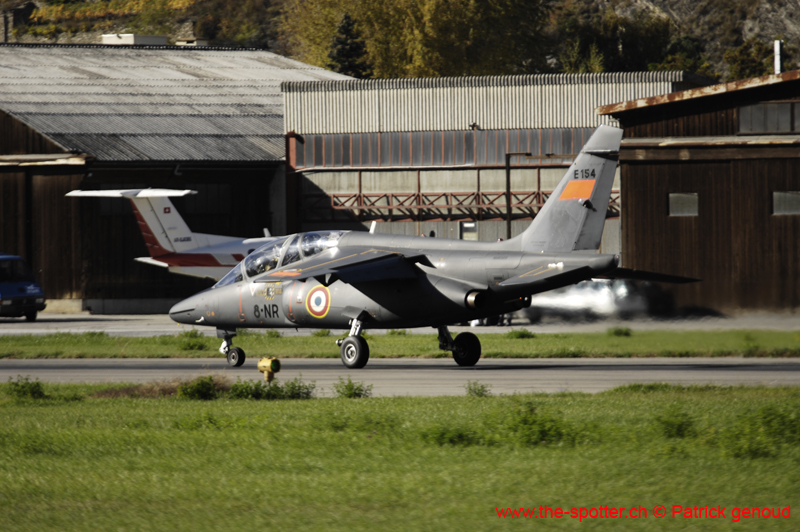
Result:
340,279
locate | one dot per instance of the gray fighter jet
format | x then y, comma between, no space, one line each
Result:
340,279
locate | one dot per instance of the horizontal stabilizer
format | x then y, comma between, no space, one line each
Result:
641,275
152,262
561,273
550,275
131,193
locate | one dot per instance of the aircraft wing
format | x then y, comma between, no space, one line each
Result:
351,265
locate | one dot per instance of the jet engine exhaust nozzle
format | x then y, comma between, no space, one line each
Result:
476,299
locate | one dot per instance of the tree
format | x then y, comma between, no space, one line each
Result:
425,38
686,53
250,23
754,58
588,39
348,53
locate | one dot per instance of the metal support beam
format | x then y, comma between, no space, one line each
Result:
508,189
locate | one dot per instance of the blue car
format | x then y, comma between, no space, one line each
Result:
20,294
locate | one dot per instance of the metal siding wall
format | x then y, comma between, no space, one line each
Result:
512,102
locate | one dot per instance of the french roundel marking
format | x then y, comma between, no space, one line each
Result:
318,301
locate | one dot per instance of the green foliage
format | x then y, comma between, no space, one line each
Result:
68,466
262,390
201,388
204,421
351,390
248,23
448,434
762,434
619,331
272,333
686,53
520,334
396,332
599,344
589,39
191,341
425,38
348,54
476,389
24,388
529,425
676,423
321,333
752,59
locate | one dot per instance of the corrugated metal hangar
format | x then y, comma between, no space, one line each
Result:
431,155
94,117
711,188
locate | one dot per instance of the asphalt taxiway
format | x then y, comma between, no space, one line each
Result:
430,377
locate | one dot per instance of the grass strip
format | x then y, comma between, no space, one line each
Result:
191,344
73,461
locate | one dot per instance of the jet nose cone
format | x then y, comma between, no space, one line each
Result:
185,311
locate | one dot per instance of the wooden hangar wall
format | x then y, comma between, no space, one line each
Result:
83,249
711,188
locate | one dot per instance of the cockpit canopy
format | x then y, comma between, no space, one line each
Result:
281,252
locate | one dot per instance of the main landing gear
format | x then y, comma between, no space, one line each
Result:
354,349
235,355
466,347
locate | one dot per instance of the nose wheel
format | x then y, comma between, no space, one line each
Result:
235,355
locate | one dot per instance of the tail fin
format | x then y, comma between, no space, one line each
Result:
163,228
573,217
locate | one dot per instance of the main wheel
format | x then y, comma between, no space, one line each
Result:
355,352
467,350
30,316
236,356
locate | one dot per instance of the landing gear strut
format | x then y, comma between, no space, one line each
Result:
354,349
466,347
235,355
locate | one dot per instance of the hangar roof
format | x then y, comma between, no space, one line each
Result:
701,92
146,103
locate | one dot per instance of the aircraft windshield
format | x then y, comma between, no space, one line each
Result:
233,276
264,258
291,249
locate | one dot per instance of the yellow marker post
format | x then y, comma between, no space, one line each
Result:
269,366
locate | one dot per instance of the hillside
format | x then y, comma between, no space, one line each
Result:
724,24
715,25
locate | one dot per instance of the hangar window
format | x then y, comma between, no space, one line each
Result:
786,203
683,204
777,117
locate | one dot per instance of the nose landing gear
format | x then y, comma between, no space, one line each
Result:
235,355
